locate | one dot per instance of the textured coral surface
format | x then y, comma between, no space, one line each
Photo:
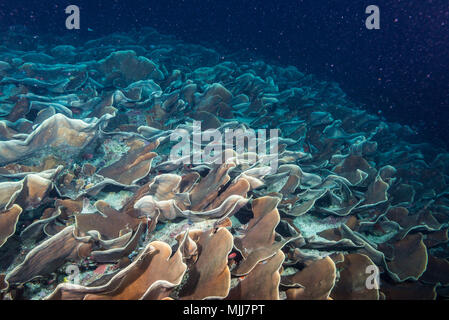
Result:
92,206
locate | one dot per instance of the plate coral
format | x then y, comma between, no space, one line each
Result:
92,206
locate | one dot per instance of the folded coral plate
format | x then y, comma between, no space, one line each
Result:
94,205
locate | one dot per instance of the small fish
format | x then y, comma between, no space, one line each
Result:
101,269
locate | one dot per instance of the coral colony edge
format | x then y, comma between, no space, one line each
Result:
136,166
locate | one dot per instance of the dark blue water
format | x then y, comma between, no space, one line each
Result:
400,71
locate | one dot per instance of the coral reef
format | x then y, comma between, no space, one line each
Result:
92,205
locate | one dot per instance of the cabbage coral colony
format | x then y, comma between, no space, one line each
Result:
93,207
